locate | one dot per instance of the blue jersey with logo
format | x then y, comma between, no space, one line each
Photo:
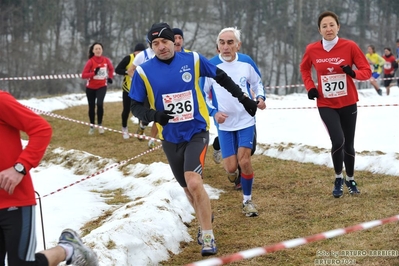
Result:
175,87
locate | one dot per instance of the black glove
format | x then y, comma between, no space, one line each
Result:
250,105
313,93
109,80
96,70
348,70
162,117
376,67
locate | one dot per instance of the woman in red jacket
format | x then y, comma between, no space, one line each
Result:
98,71
336,93
390,67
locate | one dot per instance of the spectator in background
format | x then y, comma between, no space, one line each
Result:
98,71
17,194
121,69
236,128
397,58
336,93
390,67
376,62
179,40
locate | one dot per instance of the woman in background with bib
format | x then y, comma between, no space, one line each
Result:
336,93
98,71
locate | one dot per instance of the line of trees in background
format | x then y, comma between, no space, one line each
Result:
41,37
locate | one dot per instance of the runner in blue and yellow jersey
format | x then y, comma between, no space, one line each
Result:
121,69
177,105
376,63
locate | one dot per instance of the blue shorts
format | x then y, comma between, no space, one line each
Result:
375,75
230,141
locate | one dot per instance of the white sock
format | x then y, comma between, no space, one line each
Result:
339,176
249,197
207,232
349,178
68,250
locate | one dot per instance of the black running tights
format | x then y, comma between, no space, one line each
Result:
341,125
92,95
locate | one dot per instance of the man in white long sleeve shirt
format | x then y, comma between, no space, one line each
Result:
235,127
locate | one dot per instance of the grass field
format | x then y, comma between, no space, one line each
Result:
294,200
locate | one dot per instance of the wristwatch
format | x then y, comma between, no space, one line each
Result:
20,168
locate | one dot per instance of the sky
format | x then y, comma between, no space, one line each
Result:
144,230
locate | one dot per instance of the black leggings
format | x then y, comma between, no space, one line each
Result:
18,238
92,95
126,107
341,125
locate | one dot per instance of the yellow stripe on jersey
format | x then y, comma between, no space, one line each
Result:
150,96
127,80
200,97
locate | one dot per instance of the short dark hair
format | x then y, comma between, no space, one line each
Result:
327,14
389,49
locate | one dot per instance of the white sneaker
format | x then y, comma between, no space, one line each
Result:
125,133
100,129
91,131
249,209
151,144
217,156
82,255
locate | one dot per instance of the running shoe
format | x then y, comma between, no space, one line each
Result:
125,133
237,183
352,187
338,188
217,156
199,234
208,246
233,176
140,131
91,131
82,255
151,144
379,91
100,129
249,209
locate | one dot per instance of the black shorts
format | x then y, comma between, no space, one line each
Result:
187,156
18,231
387,82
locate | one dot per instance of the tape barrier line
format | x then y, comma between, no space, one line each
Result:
314,107
67,76
247,254
103,170
44,77
109,129
38,111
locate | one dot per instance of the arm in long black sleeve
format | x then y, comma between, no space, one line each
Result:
141,112
121,67
226,82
